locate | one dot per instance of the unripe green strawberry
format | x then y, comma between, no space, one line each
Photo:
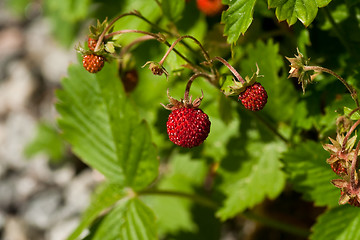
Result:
254,97
188,127
93,63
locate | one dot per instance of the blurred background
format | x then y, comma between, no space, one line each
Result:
43,188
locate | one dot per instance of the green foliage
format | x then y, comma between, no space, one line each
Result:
155,189
340,223
173,9
310,174
237,18
104,128
48,141
104,197
130,219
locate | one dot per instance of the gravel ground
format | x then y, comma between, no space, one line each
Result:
37,199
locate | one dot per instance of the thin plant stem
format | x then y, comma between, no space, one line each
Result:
191,80
353,178
101,37
353,111
206,55
348,134
155,36
349,88
276,224
270,127
194,197
136,41
130,31
233,70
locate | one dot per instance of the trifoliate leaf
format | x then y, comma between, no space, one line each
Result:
104,129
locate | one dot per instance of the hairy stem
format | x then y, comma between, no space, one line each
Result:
348,134
136,41
353,177
349,88
100,40
191,80
231,68
206,55
130,31
353,111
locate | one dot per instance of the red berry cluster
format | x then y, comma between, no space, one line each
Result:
93,63
188,127
254,97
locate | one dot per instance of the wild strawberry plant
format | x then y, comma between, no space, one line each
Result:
253,144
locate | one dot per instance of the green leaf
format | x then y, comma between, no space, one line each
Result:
249,175
104,129
237,18
291,10
183,175
48,141
355,116
341,223
310,174
130,219
104,197
173,9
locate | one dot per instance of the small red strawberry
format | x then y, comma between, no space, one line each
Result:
92,43
254,97
188,127
93,63
210,7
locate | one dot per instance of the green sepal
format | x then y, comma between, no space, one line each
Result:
95,31
238,87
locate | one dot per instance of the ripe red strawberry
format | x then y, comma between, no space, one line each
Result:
210,7
93,63
254,97
92,43
188,127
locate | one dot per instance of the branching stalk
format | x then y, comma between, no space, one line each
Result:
191,80
233,70
349,88
348,134
206,55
